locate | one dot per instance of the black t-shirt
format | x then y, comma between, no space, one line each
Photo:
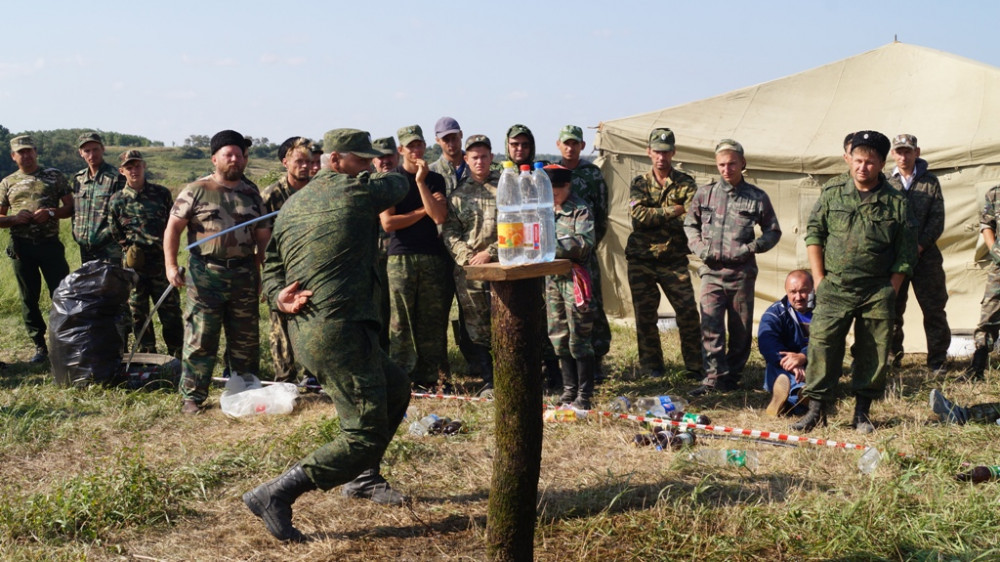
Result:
422,236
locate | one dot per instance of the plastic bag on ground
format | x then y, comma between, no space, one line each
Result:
246,396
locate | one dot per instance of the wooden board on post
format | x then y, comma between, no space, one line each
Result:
518,324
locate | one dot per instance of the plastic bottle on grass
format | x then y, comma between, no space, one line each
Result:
530,218
727,457
869,461
546,212
660,406
980,474
510,228
422,426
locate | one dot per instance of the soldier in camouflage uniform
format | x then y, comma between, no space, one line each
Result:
419,271
32,200
568,297
296,157
222,294
841,179
137,217
861,246
924,201
589,184
387,161
320,270
720,231
985,335
470,235
93,187
656,252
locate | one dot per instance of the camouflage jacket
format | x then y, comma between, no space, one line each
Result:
210,207
450,174
864,241
720,224
39,190
924,201
657,233
575,238
140,217
91,197
988,219
325,239
275,195
589,184
471,226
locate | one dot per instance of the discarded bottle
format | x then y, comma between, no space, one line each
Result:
422,426
546,212
621,405
979,474
453,427
437,427
727,457
689,417
510,230
869,461
660,406
565,413
529,216
664,439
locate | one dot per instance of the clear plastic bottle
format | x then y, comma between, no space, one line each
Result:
869,461
529,216
621,405
727,457
510,229
660,405
422,426
546,212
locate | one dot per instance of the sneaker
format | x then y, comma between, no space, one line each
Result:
779,396
190,407
945,409
369,485
41,354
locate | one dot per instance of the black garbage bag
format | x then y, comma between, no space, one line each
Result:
88,324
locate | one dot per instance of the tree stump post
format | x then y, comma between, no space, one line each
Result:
518,326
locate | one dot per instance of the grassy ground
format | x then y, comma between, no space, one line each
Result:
104,474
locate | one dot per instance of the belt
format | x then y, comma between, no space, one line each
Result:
231,263
34,241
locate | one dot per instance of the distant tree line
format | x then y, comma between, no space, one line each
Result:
262,147
57,148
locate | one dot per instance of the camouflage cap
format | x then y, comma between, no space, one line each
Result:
661,140
729,144
89,137
385,145
409,134
904,141
871,139
129,156
21,142
477,140
355,141
571,132
519,129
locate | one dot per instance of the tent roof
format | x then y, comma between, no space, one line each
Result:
797,123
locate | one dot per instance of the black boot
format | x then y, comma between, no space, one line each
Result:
370,485
861,422
815,416
272,502
585,379
567,366
979,360
486,366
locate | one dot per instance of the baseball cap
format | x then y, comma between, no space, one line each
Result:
571,132
446,126
355,141
729,144
409,134
519,129
89,137
21,142
385,145
478,139
904,140
661,139
130,155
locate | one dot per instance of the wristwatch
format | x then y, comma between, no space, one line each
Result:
52,213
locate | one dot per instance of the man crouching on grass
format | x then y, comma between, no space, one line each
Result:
320,271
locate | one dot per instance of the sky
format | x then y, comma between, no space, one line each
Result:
167,70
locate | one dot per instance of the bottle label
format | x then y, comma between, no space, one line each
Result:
690,418
994,472
531,239
509,234
736,457
667,404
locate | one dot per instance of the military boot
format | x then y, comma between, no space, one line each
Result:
272,502
486,366
978,366
861,422
567,366
815,416
585,383
370,485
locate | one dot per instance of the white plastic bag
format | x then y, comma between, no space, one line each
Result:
247,398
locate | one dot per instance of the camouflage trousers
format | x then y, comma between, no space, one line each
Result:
34,260
726,302
420,289
369,391
152,284
645,279
219,299
570,328
474,303
929,287
601,336
984,413
989,316
871,311
285,367
384,308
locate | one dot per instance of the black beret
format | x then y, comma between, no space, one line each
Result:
286,146
228,137
873,139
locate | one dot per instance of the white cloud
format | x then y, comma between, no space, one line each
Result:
401,95
296,61
268,58
517,95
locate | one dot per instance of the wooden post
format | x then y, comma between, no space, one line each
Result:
518,322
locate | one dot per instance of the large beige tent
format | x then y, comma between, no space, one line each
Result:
792,129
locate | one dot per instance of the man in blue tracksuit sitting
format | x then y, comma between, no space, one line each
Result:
783,337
